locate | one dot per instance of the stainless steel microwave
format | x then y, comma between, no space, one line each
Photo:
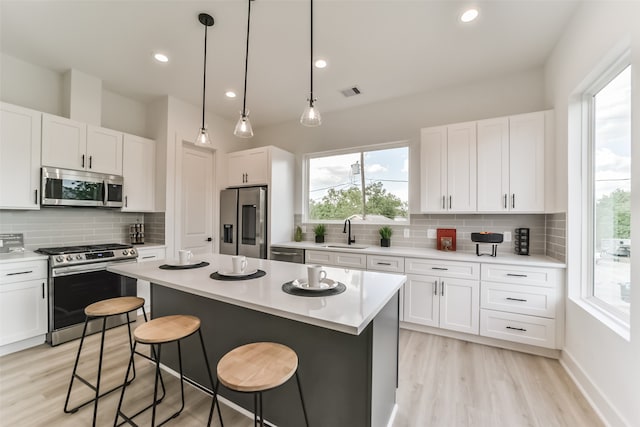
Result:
64,187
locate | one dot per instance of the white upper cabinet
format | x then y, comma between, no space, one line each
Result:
448,168
73,145
511,163
138,170
19,157
248,167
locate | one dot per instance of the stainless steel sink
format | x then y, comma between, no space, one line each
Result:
345,246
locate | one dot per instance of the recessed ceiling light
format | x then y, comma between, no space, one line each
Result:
161,57
320,63
230,94
469,15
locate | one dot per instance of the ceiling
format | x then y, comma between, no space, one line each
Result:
388,48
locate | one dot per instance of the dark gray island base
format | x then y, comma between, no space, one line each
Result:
347,380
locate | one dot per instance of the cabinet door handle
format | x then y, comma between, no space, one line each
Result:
148,257
516,275
442,288
443,205
435,287
439,268
449,202
516,329
516,299
383,263
126,201
36,200
90,159
83,161
42,290
19,272
513,201
505,200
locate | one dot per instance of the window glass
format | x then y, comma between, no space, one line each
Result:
611,179
337,183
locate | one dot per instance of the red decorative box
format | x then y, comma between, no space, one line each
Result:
446,239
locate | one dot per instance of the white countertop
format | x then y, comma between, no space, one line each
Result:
506,258
20,256
367,292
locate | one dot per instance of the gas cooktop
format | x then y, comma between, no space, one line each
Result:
63,250
73,255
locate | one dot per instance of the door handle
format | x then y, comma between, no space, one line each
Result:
83,161
435,287
90,160
36,200
505,200
442,288
42,290
126,201
513,201
449,202
443,205
209,239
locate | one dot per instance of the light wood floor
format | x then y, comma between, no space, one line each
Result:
443,382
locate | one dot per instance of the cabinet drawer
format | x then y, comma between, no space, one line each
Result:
520,275
518,328
23,271
345,259
521,299
385,263
455,269
319,257
145,255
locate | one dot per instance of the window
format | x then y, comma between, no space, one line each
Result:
370,185
609,177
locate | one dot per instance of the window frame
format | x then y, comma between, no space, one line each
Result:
360,149
620,320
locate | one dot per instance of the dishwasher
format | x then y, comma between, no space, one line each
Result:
279,253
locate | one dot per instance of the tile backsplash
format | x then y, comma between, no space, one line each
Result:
547,231
49,227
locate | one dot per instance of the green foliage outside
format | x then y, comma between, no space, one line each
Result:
343,203
613,216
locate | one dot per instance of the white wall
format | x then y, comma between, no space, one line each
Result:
124,114
402,118
605,365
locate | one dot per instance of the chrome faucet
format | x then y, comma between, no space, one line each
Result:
347,229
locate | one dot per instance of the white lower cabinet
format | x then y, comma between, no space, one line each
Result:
449,300
23,303
521,304
144,287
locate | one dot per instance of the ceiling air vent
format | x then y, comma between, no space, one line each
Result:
352,91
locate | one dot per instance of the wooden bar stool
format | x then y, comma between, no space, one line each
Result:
103,310
156,332
256,368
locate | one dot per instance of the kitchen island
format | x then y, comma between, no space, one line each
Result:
347,344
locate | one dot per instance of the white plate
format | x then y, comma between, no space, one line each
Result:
176,263
325,285
232,274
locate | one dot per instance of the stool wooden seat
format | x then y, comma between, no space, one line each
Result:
156,332
103,310
256,368
114,306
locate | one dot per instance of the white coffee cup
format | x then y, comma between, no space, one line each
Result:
239,263
316,275
184,256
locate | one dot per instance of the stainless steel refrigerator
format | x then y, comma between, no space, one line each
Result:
243,222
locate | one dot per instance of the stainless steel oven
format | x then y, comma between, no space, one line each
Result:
78,277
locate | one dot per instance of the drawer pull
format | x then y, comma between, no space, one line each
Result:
439,268
516,299
148,257
516,275
284,253
383,263
19,272
517,329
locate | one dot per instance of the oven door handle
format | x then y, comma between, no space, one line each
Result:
77,269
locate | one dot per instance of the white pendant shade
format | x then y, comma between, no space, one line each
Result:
243,127
202,139
311,116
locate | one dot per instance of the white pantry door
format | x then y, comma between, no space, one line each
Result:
197,200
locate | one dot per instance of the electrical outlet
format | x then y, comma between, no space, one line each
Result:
407,233
506,236
432,234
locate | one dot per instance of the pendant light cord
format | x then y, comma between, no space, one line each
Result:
246,63
311,59
204,76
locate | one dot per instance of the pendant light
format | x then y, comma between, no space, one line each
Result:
311,116
243,127
203,136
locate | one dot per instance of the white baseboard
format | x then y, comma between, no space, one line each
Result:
607,412
22,345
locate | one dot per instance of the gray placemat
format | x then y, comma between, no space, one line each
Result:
183,267
289,288
217,276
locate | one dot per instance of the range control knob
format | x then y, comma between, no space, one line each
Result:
78,256
69,257
59,258
125,252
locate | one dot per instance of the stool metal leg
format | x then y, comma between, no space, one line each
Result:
261,414
213,384
213,405
255,409
304,409
75,368
95,404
